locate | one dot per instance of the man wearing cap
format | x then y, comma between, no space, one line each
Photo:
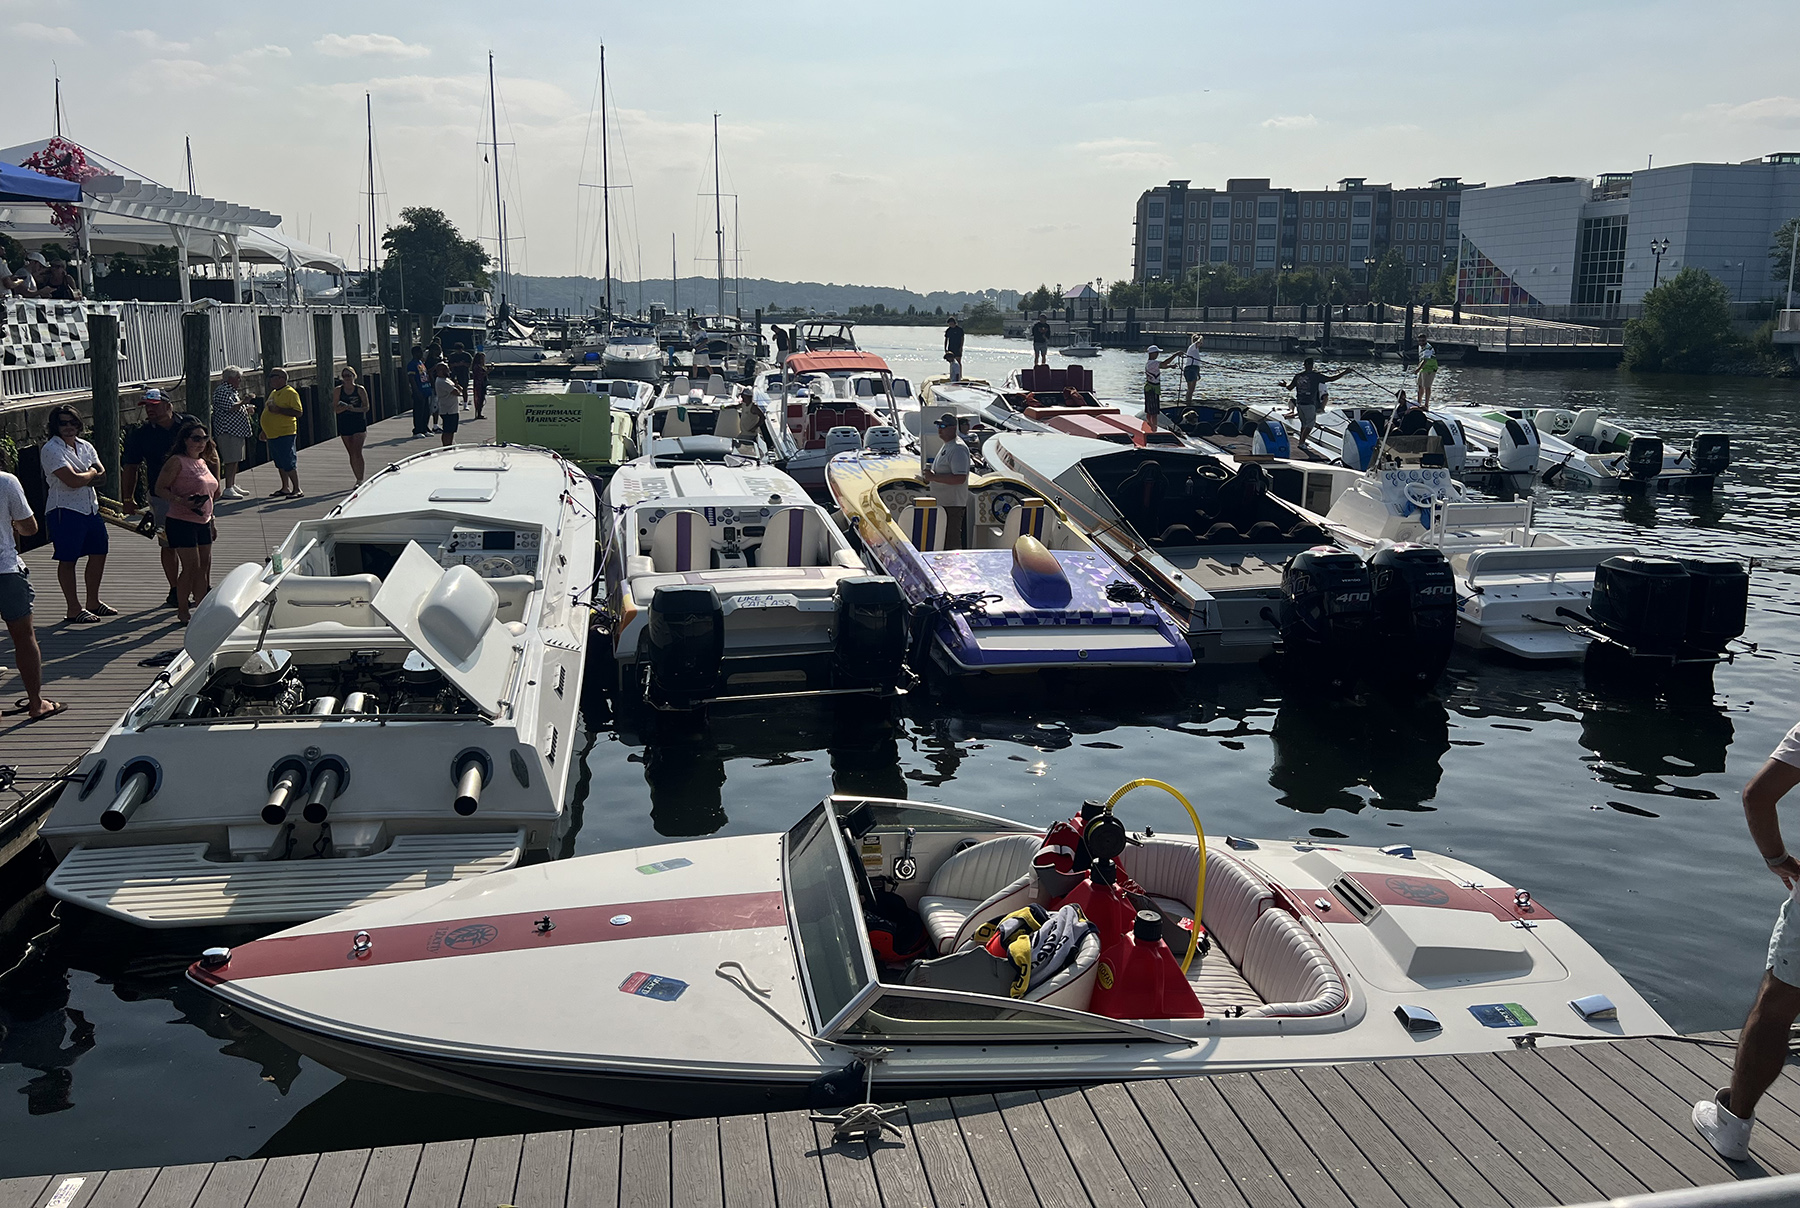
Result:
48,280
950,471
147,446
1153,383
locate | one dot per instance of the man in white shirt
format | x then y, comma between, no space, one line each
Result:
16,597
1190,369
1725,1120
72,512
950,475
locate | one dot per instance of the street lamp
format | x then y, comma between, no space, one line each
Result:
1657,248
1287,266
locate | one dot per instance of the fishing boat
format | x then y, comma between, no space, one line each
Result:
1081,344
723,580
1581,450
1022,589
390,703
844,960
829,402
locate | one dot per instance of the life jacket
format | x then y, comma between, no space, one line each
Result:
1037,942
896,932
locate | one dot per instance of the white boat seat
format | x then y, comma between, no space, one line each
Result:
679,387
1586,420
716,387
793,537
675,422
1290,969
971,877
682,541
1031,518
729,423
514,591
922,523
336,599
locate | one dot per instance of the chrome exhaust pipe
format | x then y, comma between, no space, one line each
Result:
281,797
468,787
326,782
132,794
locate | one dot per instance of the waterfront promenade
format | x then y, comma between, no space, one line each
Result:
95,669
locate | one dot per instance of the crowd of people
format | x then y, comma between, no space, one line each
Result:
39,277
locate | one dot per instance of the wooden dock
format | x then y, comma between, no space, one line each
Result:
1516,1130
96,669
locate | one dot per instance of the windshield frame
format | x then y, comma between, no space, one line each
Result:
864,956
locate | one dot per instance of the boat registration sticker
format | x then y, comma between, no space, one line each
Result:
1503,1015
768,600
664,866
653,985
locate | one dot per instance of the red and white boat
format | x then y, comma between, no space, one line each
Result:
831,402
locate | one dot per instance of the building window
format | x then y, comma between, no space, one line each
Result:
1267,209
1306,230
1381,231
1265,230
1449,230
1221,209
1265,255
1154,210
1409,253
1306,209
1218,254
1155,255
1358,255
1359,230
1156,230
1437,209
1193,209
1437,230
1305,254
1452,208
1360,209
1600,261
1291,211
1220,231
1191,235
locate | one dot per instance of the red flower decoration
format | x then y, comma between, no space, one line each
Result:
65,161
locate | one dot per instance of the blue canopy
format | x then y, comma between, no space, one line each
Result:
22,184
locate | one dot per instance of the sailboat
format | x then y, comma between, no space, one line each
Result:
510,341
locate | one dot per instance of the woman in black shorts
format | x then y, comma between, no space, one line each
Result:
190,482
351,402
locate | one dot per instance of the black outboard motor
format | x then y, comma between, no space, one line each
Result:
871,632
1718,604
1327,615
687,643
1642,603
1643,462
1710,454
1415,615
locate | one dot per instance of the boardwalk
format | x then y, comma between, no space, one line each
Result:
1555,1126
96,669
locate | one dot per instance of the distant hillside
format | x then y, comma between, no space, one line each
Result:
578,293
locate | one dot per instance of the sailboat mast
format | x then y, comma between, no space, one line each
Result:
737,262
605,184
718,214
674,278
188,140
374,240
499,208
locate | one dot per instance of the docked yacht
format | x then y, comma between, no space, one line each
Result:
631,351
1581,450
390,703
829,401
1020,590
724,580
779,971
468,311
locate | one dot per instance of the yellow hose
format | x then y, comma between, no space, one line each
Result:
1200,885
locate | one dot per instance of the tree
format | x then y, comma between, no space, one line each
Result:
1781,251
427,253
1123,293
1393,280
1039,299
1686,326
983,319
1444,291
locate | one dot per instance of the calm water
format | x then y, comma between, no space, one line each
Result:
1619,812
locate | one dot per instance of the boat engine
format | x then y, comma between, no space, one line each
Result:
1718,603
1271,439
1642,603
842,439
883,439
1710,453
1643,462
1415,614
1519,446
1327,614
1456,449
870,647
687,642
1360,443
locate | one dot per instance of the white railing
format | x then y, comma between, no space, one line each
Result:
153,356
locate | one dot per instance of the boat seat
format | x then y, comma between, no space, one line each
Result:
682,541
972,878
337,599
1285,964
716,387
675,422
679,386
514,592
793,537
1031,518
922,523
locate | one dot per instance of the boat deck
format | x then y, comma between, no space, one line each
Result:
1552,1126
96,669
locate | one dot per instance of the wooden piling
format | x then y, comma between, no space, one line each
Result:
387,402
324,425
196,357
103,362
274,356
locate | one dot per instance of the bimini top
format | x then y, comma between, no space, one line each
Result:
825,362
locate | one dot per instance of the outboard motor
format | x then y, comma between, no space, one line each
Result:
1642,603
883,439
1718,603
1456,448
1518,450
871,632
842,439
1327,614
1710,453
1415,615
1360,443
687,642
1643,462
1271,440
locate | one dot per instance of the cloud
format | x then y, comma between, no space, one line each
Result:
351,46
1770,110
1112,144
150,40
264,52
1294,121
56,35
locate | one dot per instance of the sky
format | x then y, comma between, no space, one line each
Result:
923,145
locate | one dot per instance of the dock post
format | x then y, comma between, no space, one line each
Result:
324,425
1407,343
103,375
388,404
274,356
196,364
1456,311
1325,309
1271,317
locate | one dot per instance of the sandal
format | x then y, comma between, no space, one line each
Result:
23,705
84,617
278,495
104,610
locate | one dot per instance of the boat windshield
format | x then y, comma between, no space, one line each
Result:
824,914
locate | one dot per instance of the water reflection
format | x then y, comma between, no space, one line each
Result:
1651,742
1327,751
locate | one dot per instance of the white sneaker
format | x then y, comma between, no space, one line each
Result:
236,493
1727,1134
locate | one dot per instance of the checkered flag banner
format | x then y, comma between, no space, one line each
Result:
45,332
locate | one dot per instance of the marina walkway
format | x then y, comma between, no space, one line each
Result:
1525,1128
96,670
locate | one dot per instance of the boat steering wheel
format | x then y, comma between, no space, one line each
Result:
1420,496
1001,504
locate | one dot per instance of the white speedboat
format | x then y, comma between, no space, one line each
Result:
1081,344
1581,450
631,351
829,402
770,972
1350,435
626,395
724,580
709,423
391,702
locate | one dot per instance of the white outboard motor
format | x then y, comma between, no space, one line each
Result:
1271,440
882,439
1456,447
842,439
1360,442
1518,450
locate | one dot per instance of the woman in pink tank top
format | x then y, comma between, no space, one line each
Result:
190,482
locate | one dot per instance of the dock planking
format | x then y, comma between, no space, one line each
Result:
1519,1130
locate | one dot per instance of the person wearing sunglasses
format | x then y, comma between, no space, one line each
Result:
190,482
72,512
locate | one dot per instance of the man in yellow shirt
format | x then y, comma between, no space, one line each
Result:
281,428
